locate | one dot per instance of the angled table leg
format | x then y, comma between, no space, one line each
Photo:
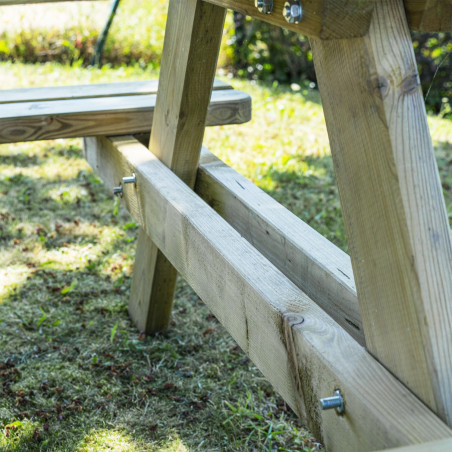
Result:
392,202
192,41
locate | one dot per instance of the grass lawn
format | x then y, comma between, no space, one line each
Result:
75,374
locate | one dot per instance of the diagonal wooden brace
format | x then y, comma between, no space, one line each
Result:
392,202
192,41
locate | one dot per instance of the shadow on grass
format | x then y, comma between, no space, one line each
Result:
310,192
75,373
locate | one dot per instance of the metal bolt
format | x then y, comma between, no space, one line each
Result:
293,11
130,179
264,6
337,401
117,191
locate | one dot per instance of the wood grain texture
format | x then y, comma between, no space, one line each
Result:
147,285
429,15
443,445
392,202
325,19
310,261
299,348
105,115
95,90
194,30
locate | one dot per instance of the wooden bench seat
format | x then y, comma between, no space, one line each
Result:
104,109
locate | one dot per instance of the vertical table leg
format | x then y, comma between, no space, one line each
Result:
392,202
192,41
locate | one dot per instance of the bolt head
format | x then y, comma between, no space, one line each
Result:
264,6
293,12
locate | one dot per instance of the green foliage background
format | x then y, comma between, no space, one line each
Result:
265,52
251,49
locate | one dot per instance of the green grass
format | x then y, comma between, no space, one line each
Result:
68,33
75,374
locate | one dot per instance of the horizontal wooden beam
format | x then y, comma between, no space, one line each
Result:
299,348
67,112
325,19
443,445
309,260
92,90
429,15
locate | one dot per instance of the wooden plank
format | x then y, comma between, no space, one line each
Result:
443,445
326,19
29,121
194,30
429,15
309,260
392,202
87,91
299,348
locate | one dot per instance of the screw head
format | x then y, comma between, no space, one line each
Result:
293,11
264,6
117,191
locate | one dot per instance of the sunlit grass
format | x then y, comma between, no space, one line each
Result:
108,440
90,380
11,278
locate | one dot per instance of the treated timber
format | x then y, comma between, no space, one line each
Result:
429,15
66,112
96,90
299,348
309,260
193,34
392,202
443,445
325,19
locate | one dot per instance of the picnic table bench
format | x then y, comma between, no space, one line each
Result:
100,109
380,349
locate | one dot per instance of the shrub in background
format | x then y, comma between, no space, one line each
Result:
251,49
434,58
268,53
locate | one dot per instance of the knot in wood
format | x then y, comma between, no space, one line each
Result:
294,319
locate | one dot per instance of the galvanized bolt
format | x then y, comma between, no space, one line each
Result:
264,6
293,11
337,401
130,179
117,191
